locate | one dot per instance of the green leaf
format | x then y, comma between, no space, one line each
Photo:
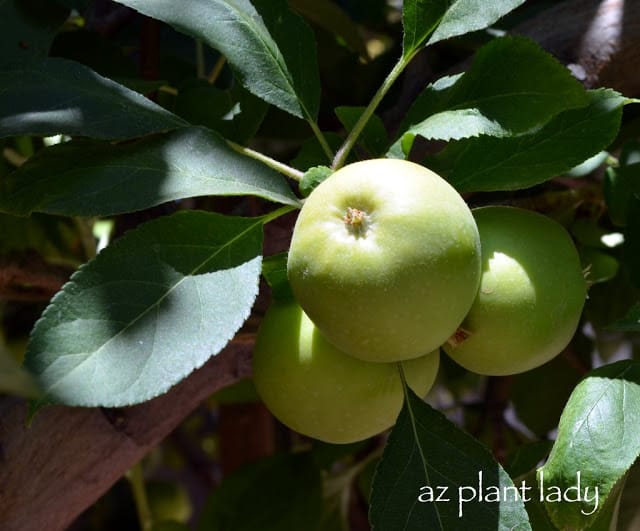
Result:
374,138
148,310
539,407
621,182
598,440
312,154
428,457
271,49
511,163
53,96
235,113
274,270
429,21
527,457
600,266
511,87
419,19
273,494
96,178
465,16
629,323
332,18
28,28
631,250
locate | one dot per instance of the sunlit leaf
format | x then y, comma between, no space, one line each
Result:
148,310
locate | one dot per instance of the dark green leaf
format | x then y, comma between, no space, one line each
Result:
527,457
96,178
631,250
599,266
373,138
621,181
511,163
28,28
427,455
235,113
240,392
148,310
511,87
331,17
278,493
311,153
618,193
538,517
53,96
271,49
598,440
629,323
274,270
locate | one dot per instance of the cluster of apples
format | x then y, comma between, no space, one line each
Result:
388,265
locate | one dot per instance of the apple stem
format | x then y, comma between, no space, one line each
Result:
290,172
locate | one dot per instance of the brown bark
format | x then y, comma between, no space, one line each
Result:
598,39
53,470
28,277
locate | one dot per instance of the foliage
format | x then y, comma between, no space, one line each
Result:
189,169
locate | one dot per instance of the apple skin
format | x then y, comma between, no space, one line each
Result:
321,392
531,294
385,259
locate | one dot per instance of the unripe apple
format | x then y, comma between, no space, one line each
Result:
385,259
531,294
321,392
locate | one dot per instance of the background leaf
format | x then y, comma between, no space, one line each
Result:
272,494
427,450
599,437
511,163
56,96
630,322
271,49
496,96
235,113
331,17
148,310
28,28
97,178
373,139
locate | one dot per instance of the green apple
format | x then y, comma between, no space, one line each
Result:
531,294
321,392
385,259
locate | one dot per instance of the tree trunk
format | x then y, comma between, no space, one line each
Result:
52,470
